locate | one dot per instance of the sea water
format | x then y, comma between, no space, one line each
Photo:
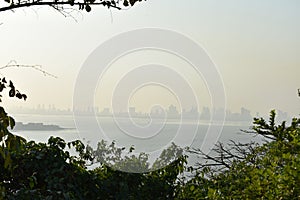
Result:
187,133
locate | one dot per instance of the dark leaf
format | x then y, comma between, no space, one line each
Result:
88,8
12,92
132,2
24,96
19,95
2,86
11,84
12,122
72,2
125,3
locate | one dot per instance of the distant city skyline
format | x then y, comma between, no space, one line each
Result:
171,112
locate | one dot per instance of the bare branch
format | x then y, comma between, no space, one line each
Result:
13,64
265,134
225,155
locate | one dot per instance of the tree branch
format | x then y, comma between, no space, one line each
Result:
55,4
225,155
13,64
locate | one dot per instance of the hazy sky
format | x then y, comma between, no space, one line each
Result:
255,45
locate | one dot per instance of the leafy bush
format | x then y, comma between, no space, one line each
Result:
252,171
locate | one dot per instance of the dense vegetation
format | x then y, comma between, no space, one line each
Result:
30,170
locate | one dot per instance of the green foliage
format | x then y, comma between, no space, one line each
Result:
7,139
130,161
48,171
269,171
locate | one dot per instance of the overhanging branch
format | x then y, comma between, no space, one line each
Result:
57,3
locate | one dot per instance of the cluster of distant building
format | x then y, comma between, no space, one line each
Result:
171,112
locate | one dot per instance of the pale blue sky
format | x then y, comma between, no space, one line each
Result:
255,45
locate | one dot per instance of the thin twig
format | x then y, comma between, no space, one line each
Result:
13,64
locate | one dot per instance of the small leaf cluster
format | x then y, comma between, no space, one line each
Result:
109,4
130,2
12,90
